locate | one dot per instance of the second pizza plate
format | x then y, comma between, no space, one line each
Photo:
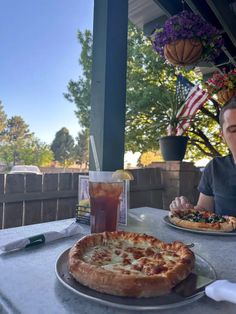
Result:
167,221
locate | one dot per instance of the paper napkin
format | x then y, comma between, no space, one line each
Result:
46,237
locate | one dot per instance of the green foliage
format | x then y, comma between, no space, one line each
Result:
6,155
148,81
79,92
19,145
63,147
3,120
82,148
150,94
17,129
15,136
27,154
205,140
36,153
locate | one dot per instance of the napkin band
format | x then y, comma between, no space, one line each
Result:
35,240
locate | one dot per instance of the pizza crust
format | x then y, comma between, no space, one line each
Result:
227,226
133,284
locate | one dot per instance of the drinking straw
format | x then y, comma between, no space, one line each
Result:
95,154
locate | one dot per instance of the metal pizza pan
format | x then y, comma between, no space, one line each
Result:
208,232
171,300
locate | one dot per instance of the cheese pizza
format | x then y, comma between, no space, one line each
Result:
202,220
129,264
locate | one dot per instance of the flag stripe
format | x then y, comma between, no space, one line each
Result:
200,103
194,96
196,100
193,104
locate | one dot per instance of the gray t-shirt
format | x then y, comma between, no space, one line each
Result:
219,180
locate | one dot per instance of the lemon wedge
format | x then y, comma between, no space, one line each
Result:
121,175
83,208
85,203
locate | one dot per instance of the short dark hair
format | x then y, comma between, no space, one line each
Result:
231,104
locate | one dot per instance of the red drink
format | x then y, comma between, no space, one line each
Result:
104,202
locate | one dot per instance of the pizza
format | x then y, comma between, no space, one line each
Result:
129,264
203,220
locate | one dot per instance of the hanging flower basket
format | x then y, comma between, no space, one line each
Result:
186,38
183,51
223,84
225,95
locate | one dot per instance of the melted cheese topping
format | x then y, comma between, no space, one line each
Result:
128,258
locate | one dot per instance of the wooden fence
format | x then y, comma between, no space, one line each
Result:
29,198
147,188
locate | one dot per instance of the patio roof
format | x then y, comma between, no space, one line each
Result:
146,14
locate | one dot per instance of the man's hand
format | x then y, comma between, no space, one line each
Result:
180,203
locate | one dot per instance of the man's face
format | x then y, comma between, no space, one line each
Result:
229,129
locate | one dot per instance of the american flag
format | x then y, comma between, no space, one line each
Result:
192,97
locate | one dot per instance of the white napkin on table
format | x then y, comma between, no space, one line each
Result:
222,290
46,237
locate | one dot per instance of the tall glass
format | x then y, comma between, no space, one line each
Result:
104,195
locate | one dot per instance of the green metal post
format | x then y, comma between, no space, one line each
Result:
109,83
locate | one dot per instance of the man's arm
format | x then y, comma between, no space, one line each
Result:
182,203
205,202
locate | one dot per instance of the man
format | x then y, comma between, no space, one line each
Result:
217,186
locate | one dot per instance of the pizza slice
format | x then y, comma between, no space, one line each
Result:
203,220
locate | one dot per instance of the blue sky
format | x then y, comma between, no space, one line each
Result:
39,54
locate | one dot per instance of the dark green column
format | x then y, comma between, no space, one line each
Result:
109,82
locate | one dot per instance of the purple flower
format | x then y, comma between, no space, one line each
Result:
188,25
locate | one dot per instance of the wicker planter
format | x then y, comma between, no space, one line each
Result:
183,51
224,95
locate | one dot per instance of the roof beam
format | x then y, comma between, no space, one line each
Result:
169,7
149,27
225,16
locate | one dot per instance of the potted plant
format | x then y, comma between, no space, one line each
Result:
186,38
222,84
172,146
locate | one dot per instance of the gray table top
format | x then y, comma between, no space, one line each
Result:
29,285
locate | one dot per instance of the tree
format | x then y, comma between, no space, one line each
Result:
6,155
29,151
79,92
35,152
15,135
17,129
63,147
82,148
146,72
3,120
148,157
19,145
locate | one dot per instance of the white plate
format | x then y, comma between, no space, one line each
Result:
169,223
172,300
